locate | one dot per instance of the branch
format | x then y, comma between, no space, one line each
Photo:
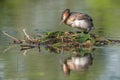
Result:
17,41
10,36
26,35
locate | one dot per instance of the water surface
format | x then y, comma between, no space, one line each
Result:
40,16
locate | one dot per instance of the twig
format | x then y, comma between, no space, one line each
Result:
26,35
16,41
10,36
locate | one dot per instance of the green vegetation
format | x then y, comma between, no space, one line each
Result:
58,41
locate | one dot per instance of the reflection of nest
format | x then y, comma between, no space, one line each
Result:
77,63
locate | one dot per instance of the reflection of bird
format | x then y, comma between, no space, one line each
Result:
77,63
79,20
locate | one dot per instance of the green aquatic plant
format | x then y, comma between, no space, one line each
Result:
59,40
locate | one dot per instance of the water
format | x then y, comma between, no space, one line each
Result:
39,16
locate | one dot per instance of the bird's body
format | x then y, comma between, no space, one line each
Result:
78,20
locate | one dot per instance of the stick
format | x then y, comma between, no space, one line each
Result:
10,36
27,36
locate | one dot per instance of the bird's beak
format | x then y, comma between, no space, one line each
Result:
61,22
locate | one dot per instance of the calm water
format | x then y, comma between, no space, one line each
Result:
39,16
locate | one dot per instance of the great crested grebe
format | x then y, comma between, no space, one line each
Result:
78,20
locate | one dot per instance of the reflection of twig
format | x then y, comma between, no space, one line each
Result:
25,47
26,35
10,47
25,52
39,47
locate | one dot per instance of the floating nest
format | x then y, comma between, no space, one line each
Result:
59,40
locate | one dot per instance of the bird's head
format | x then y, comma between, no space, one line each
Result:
65,15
